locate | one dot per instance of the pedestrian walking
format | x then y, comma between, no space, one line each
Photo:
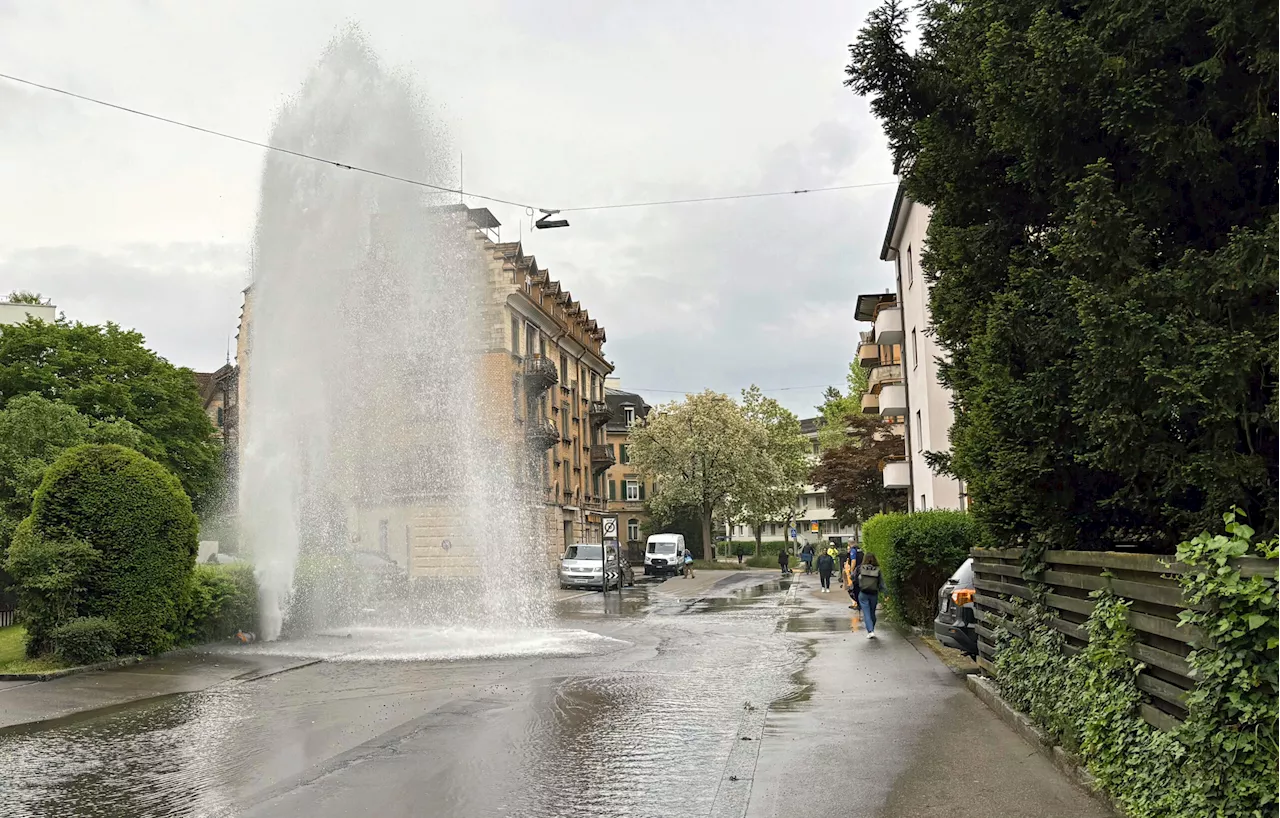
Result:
784,561
688,565
870,582
849,580
826,564
806,556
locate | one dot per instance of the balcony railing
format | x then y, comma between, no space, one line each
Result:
889,326
893,400
542,434
539,373
599,413
868,355
897,474
601,457
883,375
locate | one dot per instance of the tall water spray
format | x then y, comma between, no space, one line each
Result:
364,396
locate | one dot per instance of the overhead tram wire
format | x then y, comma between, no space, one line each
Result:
417,182
696,391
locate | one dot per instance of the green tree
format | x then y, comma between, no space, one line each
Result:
135,517
701,453
1102,251
106,373
34,431
770,492
838,408
852,472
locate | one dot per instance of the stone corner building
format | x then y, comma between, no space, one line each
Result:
542,388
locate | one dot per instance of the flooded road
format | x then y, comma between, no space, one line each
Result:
741,699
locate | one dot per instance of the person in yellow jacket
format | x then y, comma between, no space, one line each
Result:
847,580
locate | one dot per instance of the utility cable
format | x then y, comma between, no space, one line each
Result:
695,391
440,188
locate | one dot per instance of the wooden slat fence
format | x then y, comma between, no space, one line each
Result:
1148,582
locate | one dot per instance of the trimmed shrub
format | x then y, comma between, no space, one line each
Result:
85,640
917,552
223,599
135,514
51,576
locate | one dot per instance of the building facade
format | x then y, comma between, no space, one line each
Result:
928,405
880,353
542,378
627,487
18,312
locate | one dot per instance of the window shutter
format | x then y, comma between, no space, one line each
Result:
613,489
623,459
641,489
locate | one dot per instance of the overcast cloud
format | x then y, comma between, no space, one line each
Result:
560,104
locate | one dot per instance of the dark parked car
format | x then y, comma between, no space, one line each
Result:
956,623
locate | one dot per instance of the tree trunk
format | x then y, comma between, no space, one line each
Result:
707,542
757,528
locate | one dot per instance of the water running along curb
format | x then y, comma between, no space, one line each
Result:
1070,766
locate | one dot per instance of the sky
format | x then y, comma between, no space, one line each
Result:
567,104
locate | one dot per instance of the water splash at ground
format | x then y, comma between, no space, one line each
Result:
363,410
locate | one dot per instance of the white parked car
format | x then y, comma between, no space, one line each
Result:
581,567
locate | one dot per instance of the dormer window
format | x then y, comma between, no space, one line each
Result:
629,414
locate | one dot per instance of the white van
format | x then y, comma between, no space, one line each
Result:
664,555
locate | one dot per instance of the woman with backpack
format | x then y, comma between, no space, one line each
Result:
826,564
870,582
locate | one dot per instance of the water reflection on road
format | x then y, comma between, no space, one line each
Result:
651,710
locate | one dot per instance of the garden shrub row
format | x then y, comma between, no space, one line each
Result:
105,563
917,553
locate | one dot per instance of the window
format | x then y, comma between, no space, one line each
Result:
633,491
515,336
915,350
923,505
816,448
911,273
633,529
804,501
530,338
613,490
919,432
593,386
629,414
384,534
219,415
625,457
564,370
821,500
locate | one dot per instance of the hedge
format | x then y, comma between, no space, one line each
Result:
134,513
223,599
50,576
917,553
85,640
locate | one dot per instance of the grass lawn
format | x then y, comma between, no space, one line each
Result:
13,653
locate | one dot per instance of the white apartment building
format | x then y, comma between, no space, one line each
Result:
19,312
929,410
814,520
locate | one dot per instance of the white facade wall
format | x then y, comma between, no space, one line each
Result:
18,313
930,414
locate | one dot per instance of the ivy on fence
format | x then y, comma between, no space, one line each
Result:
1222,760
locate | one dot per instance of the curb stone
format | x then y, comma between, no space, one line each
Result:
1067,763
46,675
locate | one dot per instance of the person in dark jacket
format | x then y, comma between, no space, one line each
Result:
870,582
784,561
826,565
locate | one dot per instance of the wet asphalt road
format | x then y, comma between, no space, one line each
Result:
754,698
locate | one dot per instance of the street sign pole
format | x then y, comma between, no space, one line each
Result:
609,531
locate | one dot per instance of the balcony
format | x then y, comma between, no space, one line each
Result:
539,374
870,404
542,434
599,413
889,327
868,355
893,400
601,457
883,375
897,474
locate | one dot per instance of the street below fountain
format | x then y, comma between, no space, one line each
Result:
729,695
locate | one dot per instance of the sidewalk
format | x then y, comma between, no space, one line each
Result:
179,672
